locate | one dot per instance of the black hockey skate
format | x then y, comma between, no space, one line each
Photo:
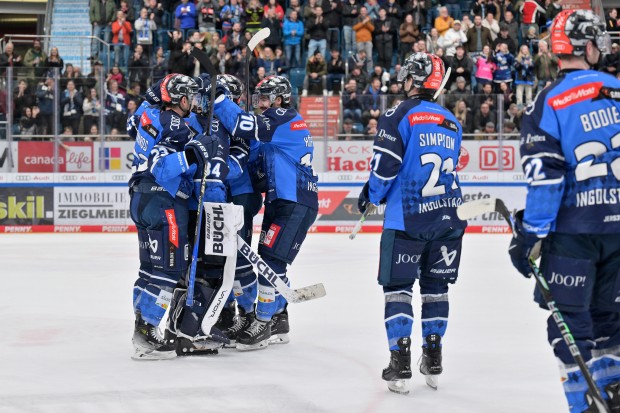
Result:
207,345
149,344
613,392
241,322
227,317
430,362
279,328
255,336
398,372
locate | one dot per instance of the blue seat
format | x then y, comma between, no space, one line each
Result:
296,77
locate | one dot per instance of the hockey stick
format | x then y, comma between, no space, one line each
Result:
258,37
443,83
299,295
204,60
358,226
474,208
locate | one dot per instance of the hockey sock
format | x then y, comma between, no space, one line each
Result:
246,291
575,388
605,368
398,314
435,308
138,287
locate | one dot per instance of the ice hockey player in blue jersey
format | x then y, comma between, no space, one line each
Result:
241,191
291,201
570,151
161,185
415,153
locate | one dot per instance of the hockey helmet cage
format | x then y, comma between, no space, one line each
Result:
572,29
426,70
273,86
234,85
174,88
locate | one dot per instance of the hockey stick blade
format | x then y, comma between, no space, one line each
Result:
204,61
292,296
443,83
479,207
358,225
258,37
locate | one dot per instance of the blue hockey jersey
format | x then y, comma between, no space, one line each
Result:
415,154
158,152
287,149
570,152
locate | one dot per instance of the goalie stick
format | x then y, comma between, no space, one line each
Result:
204,61
483,206
292,296
358,226
258,37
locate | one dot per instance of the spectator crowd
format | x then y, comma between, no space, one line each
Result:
351,48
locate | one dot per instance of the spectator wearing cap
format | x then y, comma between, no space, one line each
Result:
347,131
444,21
452,39
611,61
293,32
35,60
488,132
384,33
316,73
504,37
363,35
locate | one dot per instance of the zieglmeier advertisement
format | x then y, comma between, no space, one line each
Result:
93,206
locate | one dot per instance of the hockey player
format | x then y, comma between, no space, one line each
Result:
241,191
291,202
570,151
165,163
412,172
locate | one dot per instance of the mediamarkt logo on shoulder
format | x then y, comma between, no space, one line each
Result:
575,95
425,117
300,124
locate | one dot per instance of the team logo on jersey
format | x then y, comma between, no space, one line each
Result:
575,95
609,93
425,117
153,244
447,257
271,235
300,124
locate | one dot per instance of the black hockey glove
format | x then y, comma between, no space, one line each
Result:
222,89
522,246
199,150
239,148
363,202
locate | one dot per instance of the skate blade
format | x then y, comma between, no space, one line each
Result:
141,354
232,344
432,381
279,339
249,347
196,352
399,386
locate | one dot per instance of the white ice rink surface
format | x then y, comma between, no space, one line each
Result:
66,324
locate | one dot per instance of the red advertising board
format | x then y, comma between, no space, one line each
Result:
39,157
312,109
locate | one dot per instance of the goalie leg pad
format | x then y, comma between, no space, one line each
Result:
191,319
398,314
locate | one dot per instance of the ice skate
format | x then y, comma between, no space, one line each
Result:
227,317
255,337
279,328
398,372
241,322
149,344
207,345
430,362
613,392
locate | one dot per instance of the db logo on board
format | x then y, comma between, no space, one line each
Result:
491,157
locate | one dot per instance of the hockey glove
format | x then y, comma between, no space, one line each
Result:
221,89
363,202
239,148
522,246
198,151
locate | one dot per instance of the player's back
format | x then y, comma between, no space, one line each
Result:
577,121
425,192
